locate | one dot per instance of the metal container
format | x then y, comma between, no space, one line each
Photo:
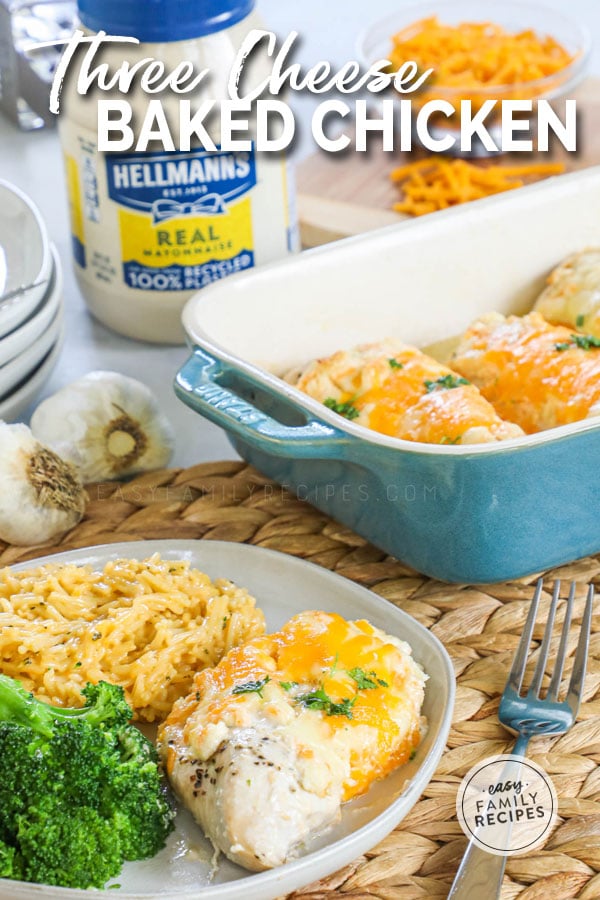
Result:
474,514
32,38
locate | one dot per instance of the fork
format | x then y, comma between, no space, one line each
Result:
480,874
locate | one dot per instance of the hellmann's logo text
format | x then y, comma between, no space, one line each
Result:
200,182
189,171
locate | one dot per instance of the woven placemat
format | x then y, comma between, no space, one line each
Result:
480,627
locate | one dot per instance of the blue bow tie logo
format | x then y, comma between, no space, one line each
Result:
209,205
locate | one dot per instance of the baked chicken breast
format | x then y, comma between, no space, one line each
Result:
572,294
536,374
397,390
284,729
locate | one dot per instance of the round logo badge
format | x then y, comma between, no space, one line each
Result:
507,804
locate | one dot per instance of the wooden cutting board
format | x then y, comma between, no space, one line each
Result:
345,194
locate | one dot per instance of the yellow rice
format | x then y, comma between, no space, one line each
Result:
146,625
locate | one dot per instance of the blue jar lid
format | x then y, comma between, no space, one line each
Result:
162,21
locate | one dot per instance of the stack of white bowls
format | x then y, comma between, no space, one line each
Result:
31,307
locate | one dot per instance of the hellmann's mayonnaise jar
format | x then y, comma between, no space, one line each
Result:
152,227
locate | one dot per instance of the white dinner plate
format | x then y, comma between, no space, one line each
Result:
25,257
283,586
19,340
14,404
21,367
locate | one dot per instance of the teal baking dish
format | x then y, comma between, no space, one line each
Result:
466,514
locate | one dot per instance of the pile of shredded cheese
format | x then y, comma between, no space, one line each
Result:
433,184
478,54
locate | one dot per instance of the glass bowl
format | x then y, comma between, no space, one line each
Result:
375,43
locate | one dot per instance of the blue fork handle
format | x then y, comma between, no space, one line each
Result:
480,874
197,384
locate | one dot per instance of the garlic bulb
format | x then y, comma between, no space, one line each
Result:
41,495
106,424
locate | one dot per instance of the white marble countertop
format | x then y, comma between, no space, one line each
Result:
33,162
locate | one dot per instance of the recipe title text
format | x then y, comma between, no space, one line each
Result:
253,116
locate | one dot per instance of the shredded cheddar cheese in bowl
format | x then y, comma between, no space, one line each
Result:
458,62
479,54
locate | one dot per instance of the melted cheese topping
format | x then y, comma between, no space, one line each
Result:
396,398
314,651
516,365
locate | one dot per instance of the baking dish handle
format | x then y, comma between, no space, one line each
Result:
197,384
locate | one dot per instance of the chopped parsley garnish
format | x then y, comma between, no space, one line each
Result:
449,440
251,687
413,753
394,364
580,320
342,409
445,383
583,341
366,681
319,699
288,685
343,708
316,699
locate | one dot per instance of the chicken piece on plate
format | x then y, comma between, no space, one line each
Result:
572,294
284,729
536,374
395,389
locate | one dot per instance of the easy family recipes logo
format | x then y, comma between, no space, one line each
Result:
507,805
253,118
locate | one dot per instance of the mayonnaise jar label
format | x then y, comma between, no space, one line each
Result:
150,229
185,219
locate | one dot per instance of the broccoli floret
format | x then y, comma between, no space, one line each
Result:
80,789
81,849
10,866
105,705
